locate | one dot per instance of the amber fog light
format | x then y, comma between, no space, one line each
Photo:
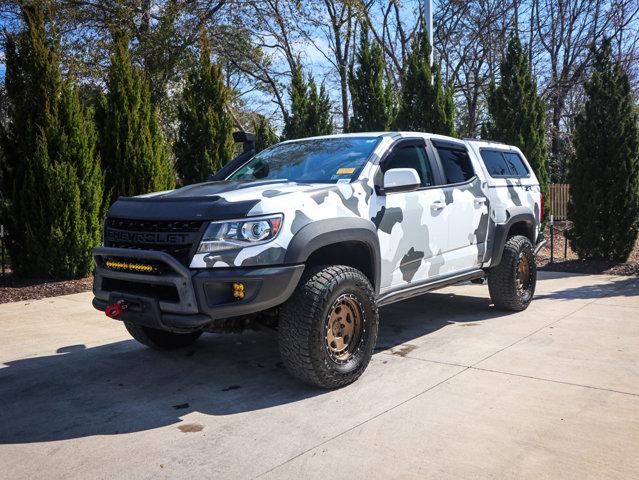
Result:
238,290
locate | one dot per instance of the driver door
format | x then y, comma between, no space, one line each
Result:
411,228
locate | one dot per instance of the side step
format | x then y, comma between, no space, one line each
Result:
410,291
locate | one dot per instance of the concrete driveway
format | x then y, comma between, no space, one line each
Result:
456,390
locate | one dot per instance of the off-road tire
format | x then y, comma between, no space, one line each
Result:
303,324
502,279
161,339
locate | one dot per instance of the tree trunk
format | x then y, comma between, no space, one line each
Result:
344,91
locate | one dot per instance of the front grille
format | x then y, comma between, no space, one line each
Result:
175,237
177,226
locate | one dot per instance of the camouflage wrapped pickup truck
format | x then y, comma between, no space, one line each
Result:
311,236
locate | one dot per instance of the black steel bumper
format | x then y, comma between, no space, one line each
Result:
181,299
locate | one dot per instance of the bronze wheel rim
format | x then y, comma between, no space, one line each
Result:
344,328
523,274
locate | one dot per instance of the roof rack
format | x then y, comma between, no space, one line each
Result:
483,140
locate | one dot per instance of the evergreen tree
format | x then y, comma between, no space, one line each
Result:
135,155
294,124
265,136
310,113
425,105
372,100
205,137
318,115
51,173
604,175
517,113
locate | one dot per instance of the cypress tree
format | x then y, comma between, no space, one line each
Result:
265,136
135,155
517,113
318,115
205,137
294,123
425,105
310,113
372,100
604,174
51,173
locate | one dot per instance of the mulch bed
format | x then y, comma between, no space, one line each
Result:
593,267
13,290
565,260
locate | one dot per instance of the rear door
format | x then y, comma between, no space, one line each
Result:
466,208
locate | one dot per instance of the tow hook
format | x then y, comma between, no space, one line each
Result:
115,310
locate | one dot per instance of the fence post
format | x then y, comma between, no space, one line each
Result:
552,238
2,248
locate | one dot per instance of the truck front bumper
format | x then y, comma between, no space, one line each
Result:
180,299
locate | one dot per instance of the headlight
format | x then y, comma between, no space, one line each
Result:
231,234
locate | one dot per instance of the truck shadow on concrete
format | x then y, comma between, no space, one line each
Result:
123,387
621,287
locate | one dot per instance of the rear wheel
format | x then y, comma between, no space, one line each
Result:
512,283
328,328
161,339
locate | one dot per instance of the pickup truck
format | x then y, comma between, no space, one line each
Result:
311,236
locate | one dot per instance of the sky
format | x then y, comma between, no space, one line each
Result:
314,62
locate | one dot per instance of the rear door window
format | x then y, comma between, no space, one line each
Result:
504,164
456,164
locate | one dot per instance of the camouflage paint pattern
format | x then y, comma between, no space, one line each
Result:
418,240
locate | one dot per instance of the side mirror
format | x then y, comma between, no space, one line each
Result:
401,180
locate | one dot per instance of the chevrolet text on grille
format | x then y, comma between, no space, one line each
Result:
146,237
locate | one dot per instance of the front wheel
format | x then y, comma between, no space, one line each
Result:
328,328
161,339
512,283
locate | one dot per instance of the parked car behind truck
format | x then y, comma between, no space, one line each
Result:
311,236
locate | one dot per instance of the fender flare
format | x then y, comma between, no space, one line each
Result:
500,236
322,233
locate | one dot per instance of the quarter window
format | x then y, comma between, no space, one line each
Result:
516,164
495,163
456,164
504,164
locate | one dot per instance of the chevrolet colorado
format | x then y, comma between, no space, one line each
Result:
311,236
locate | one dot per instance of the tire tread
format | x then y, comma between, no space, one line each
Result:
501,284
298,319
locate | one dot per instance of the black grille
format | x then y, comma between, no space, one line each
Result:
180,235
178,226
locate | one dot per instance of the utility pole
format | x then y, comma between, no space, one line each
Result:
428,20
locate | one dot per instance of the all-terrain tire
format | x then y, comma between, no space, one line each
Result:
161,339
503,279
304,320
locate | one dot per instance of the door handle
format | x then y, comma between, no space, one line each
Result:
437,205
480,200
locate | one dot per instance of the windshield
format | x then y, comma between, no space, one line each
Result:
325,160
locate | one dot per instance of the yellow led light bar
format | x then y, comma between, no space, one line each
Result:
133,267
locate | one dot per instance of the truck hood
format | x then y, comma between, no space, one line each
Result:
211,200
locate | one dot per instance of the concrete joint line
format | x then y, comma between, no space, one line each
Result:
553,381
364,422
